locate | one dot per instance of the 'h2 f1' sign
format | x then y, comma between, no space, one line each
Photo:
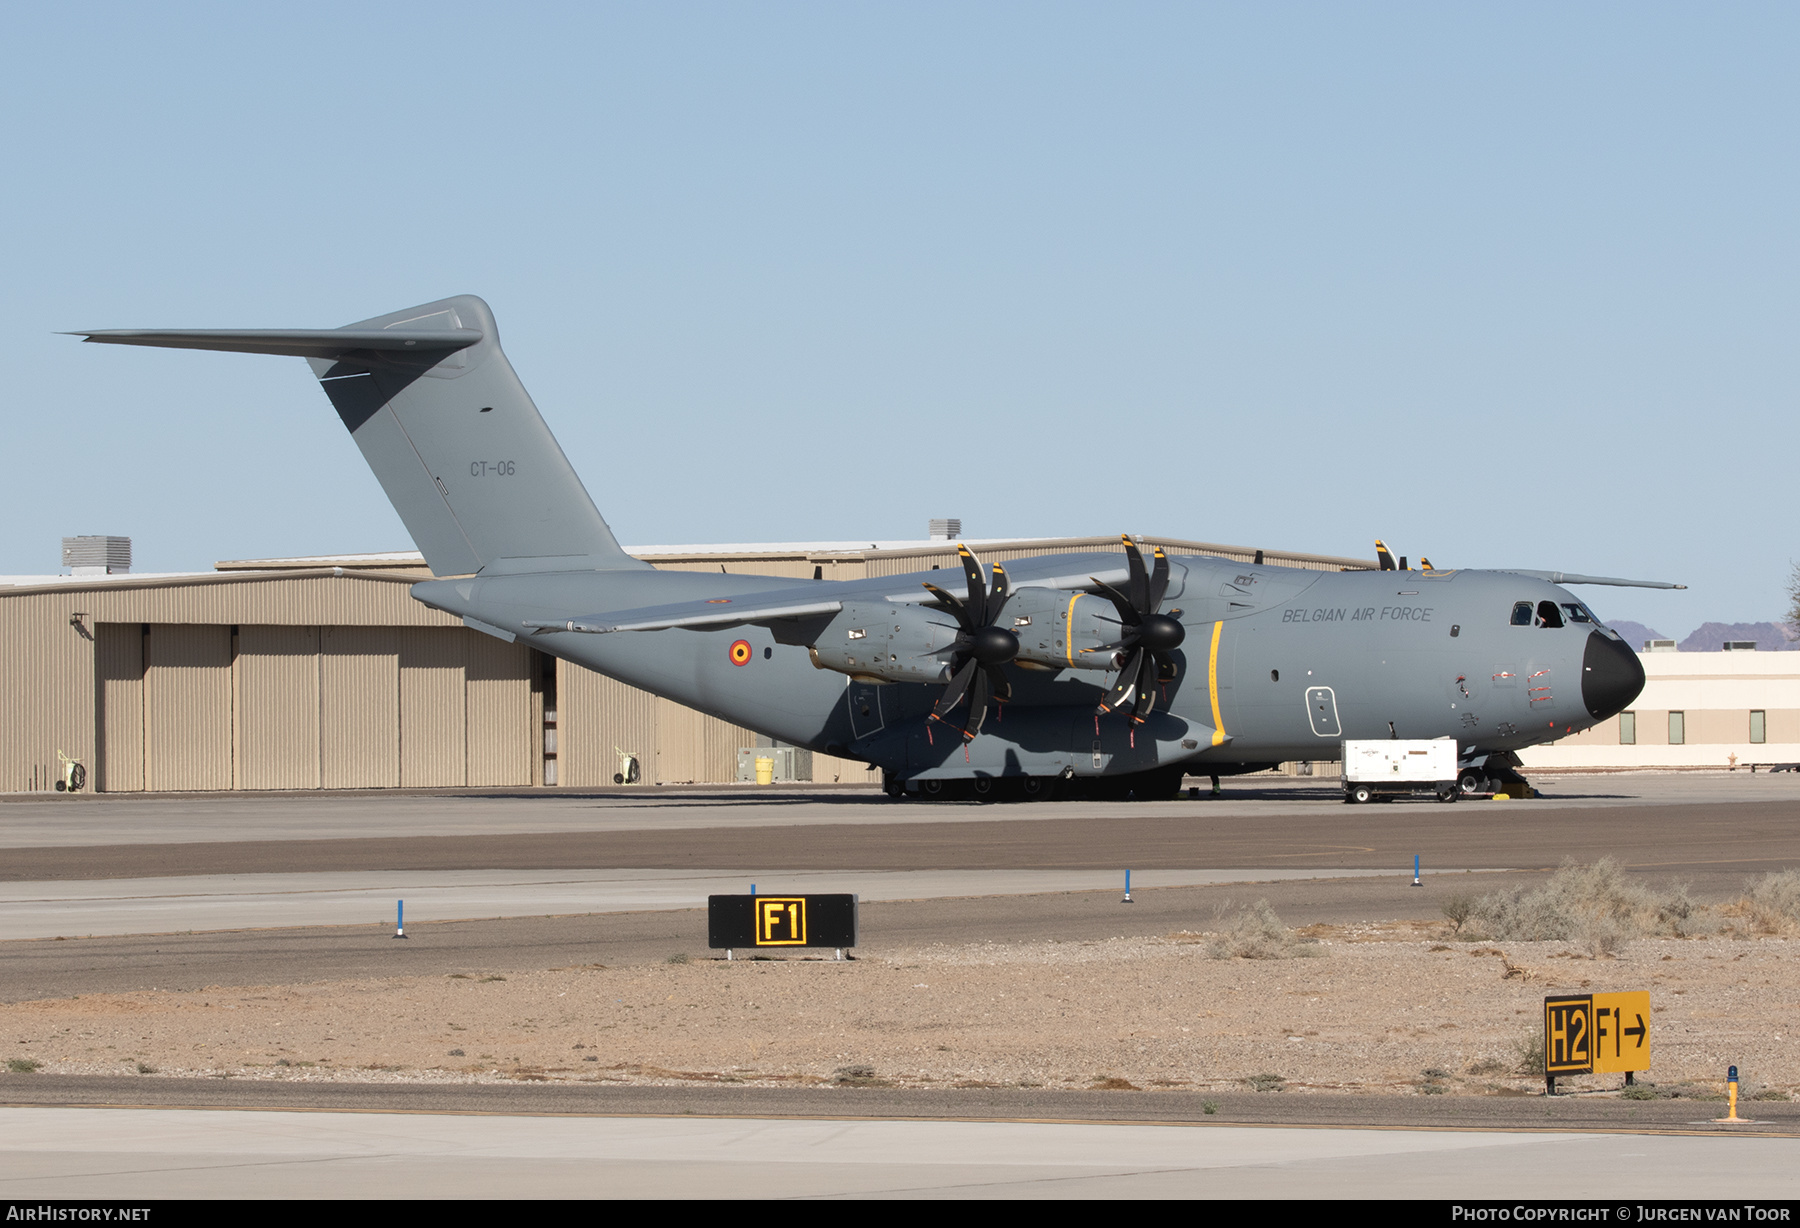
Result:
780,921
1597,1033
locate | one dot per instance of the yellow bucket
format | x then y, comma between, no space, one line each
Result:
765,770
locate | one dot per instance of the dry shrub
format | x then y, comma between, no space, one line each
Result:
1458,909
1257,933
1595,906
1528,1053
1774,902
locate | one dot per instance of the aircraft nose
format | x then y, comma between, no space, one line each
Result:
1611,676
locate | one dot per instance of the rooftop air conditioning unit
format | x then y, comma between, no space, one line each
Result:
1739,645
947,530
97,556
1659,645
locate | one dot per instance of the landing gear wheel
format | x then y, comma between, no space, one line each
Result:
985,790
1361,793
1037,788
893,786
1472,780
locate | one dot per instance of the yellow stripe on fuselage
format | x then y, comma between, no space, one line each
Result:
1212,681
1069,630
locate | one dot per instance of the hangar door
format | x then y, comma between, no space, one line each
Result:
279,707
164,694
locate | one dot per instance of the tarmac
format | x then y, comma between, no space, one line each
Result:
75,1153
540,880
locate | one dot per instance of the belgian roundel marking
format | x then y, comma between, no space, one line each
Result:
740,652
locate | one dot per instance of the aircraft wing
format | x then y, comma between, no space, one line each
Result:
734,611
720,612
1071,582
1570,577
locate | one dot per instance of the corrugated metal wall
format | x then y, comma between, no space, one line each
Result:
498,699
119,693
598,717
311,707
187,708
433,718
359,707
310,679
277,711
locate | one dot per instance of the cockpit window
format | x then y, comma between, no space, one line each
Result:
1577,612
1521,616
1549,615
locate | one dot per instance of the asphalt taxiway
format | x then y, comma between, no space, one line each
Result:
305,883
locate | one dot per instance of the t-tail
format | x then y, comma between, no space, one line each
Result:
449,430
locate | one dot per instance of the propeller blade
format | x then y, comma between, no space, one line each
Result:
1159,582
972,570
997,596
953,604
1128,615
1126,686
978,702
1147,689
997,683
954,693
1385,557
1140,585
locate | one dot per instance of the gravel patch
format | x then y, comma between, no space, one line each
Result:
1400,1008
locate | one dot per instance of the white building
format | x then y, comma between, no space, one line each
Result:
1698,709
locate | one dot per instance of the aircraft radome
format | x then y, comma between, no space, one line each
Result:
1091,674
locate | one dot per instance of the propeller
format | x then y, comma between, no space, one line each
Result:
1147,637
1385,559
981,646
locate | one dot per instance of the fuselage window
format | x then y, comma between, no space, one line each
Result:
1549,615
1521,614
1577,612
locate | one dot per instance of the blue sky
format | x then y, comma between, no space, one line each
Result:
1504,285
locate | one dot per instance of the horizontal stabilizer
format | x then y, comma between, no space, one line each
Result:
1569,577
448,429
329,343
605,625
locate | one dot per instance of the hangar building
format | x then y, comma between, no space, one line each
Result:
1697,710
323,673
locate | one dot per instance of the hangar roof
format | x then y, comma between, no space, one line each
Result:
409,559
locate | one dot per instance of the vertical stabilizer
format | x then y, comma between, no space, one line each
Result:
450,432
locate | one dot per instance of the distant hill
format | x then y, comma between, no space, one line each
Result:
1635,633
1769,637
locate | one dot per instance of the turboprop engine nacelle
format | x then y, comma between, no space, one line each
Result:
1062,630
883,642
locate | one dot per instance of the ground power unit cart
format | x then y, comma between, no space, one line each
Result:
1380,771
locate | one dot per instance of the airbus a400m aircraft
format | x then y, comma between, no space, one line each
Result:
1111,675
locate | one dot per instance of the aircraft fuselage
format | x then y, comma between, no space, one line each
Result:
1277,664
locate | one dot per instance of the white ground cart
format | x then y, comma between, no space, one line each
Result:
1380,771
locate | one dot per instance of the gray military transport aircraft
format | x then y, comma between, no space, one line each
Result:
1078,674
